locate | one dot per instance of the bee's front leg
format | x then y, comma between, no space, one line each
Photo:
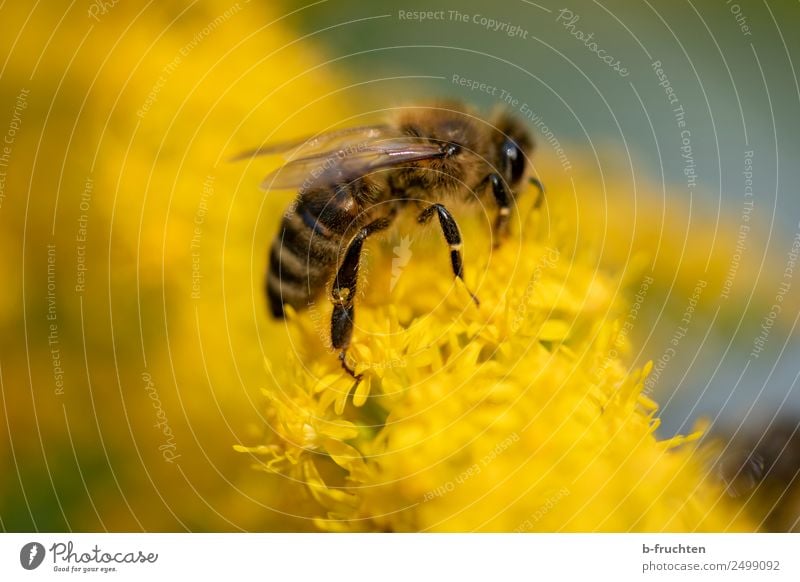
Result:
503,199
452,235
344,291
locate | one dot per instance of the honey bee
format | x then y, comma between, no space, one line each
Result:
352,183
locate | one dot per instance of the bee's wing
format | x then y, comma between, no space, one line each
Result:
313,144
343,166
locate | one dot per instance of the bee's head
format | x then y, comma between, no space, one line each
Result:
468,151
455,130
512,146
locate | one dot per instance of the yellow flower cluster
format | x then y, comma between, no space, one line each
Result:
120,164
515,415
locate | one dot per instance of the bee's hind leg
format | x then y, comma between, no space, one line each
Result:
344,291
452,235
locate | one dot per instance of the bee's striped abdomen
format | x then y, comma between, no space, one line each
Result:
305,252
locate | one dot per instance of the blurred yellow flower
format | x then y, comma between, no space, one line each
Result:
120,164
518,415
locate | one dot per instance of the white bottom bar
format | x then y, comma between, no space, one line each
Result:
390,557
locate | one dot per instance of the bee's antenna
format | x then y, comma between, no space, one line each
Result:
537,204
538,184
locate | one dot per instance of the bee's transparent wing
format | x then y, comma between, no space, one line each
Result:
344,165
313,144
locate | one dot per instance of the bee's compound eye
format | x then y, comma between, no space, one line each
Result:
513,161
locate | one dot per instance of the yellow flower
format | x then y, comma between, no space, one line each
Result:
139,109
518,415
